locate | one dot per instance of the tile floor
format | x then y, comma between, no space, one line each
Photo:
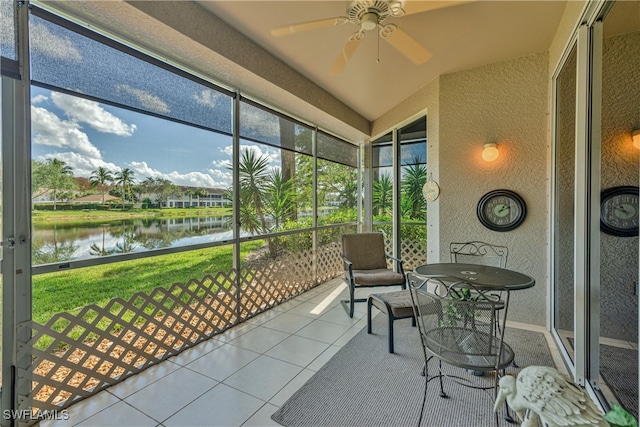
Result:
238,378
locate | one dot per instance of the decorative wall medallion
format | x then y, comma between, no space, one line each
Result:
430,191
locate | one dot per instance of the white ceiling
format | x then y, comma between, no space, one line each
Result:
459,36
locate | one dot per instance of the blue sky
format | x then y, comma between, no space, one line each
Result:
85,135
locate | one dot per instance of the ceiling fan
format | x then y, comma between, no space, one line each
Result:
370,15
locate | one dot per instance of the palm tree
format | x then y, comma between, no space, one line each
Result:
279,201
190,193
254,172
201,193
383,195
413,178
125,178
101,177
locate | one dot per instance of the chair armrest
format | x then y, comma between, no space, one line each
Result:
348,267
398,263
346,261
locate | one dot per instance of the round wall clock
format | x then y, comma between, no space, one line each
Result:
430,191
619,211
501,210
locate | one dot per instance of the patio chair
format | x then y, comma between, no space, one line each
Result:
365,266
477,252
460,332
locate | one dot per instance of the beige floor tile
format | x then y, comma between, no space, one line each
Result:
326,332
300,351
220,406
287,391
195,352
118,415
323,358
264,377
223,362
262,418
84,409
260,339
287,322
234,332
168,395
311,310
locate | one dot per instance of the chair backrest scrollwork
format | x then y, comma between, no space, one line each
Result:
477,252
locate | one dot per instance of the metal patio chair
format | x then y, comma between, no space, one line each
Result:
460,332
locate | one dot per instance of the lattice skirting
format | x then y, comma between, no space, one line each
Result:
412,252
74,356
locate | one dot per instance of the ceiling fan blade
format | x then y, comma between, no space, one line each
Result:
411,7
345,54
285,30
405,44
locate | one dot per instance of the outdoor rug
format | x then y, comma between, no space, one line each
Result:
616,366
365,385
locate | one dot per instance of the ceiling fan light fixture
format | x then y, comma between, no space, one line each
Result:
369,21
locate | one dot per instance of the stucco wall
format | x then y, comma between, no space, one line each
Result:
504,103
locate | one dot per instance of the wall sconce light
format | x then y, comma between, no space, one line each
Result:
636,138
490,152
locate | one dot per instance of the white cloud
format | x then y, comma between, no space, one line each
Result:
214,178
81,165
207,97
221,164
45,42
272,154
225,176
147,100
143,169
90,112
253,118
49,129
39,99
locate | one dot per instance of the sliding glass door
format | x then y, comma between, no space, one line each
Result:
616,349
595,203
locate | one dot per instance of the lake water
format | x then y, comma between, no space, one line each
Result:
57,242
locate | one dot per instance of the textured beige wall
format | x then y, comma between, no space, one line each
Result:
504,103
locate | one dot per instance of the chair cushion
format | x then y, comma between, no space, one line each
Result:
377,277
364,250
399,302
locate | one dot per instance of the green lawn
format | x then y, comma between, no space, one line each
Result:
71,290
91,216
